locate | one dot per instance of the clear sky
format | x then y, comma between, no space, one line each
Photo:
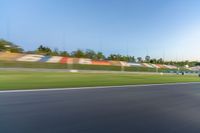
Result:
160,28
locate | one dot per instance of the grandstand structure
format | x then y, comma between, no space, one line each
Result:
8,56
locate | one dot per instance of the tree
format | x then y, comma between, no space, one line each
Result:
112,57
55,52
160,61
139,59
115,57
100,56
43,50
153,61
78,54
118,57
129,58
64,53
147,59
90,54
9,46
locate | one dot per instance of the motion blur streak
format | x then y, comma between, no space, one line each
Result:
142,109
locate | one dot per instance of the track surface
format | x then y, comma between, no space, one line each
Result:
147,109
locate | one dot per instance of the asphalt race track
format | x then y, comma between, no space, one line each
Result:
147,109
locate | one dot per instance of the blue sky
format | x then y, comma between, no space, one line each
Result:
160,28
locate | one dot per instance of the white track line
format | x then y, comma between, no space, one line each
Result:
79,88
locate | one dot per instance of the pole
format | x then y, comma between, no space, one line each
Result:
157,69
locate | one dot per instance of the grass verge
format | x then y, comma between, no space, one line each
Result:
12,80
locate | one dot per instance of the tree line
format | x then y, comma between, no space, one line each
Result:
88,53
91,54
9,46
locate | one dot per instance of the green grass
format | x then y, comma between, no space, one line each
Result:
10,80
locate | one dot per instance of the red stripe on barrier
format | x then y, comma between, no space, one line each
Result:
64,60
101,63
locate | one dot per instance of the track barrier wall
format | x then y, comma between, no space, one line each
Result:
7,56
